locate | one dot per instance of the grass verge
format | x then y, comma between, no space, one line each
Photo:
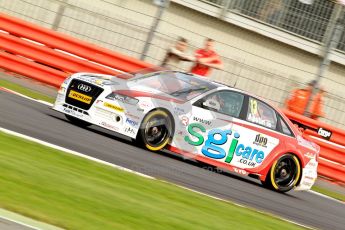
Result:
25,91
329,193
75,193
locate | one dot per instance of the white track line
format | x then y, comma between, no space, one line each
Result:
24,96
20,223
325,196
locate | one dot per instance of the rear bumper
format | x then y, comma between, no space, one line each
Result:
309,176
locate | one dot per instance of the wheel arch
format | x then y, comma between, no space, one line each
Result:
169,114
268,168
267,175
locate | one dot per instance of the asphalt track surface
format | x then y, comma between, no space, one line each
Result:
39,121
9,225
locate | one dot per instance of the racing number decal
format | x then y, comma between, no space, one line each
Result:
253,104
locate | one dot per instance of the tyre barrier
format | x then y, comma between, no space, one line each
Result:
49,57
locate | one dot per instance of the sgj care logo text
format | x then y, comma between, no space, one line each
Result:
214,145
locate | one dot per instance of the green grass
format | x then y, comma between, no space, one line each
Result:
327,192
25,91
75,193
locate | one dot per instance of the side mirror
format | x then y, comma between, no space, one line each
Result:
211,104
300,129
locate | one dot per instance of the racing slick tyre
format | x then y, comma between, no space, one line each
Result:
284,173
77,121
155,130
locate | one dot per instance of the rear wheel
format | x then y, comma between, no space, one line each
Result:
77,121
284,173
155,130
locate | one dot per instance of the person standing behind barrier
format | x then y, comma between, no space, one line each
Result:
316,107
298,101
206,59
176,54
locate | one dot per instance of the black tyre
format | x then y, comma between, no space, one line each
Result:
77,121
155,130
284,173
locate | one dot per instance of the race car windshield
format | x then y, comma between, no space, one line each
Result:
177,84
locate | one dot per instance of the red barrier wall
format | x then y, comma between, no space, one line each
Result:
48,56
31,69
43,51
337,134
331,170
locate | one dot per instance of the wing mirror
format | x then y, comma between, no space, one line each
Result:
211,104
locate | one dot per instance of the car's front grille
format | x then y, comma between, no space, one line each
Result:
75,109
82,94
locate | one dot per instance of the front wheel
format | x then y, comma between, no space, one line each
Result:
284,173
77,121
155,130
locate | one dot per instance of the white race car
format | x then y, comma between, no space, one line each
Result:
207,121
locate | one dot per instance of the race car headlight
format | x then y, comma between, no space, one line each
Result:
62,90
64,85
66,81
123,98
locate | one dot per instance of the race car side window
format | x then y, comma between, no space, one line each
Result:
285,128
262,114
226,102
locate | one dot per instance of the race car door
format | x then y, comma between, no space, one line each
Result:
258,135
209,131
